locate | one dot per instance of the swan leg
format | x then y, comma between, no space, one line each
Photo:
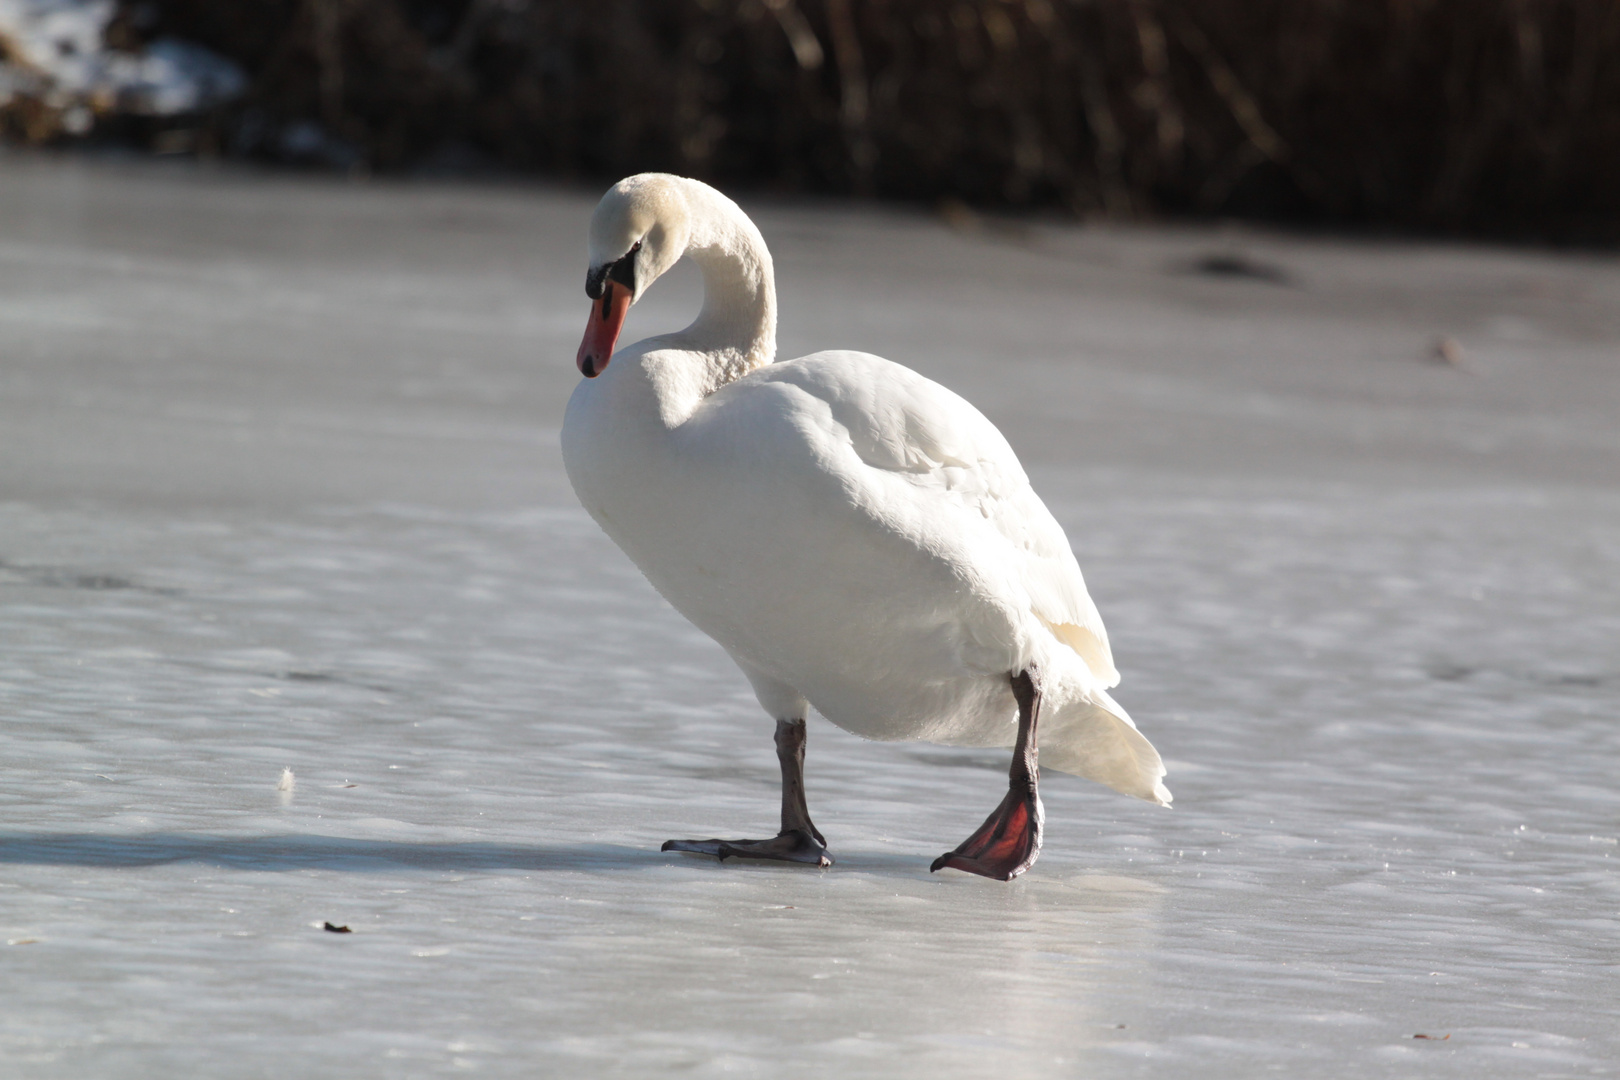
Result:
1009,841
799,841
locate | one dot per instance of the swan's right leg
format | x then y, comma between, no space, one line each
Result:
1009,841
799,841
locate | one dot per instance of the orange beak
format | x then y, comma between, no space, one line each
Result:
602,332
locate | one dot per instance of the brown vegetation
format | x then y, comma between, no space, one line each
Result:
1481,115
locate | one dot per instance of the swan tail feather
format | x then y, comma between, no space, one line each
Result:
1097,739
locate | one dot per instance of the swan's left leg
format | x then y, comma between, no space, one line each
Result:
1009,841
799,841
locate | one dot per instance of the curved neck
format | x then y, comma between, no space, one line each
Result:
737,326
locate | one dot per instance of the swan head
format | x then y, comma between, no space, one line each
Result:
639,230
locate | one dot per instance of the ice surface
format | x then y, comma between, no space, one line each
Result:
281,490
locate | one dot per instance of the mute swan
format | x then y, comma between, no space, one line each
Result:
855,536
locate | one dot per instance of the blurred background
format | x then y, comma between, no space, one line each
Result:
1487,117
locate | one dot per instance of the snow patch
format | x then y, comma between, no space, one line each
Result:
53,57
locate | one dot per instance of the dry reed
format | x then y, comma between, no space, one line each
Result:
1493,116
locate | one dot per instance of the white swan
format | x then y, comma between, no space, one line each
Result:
857,537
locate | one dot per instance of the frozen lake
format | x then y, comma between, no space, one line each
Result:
280,488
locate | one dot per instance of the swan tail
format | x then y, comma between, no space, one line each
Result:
1093,737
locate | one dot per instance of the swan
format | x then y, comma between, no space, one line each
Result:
857,537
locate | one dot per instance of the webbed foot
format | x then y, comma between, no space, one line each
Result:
792,845
1006,845
1009,841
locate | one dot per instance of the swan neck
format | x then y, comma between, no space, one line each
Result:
737,326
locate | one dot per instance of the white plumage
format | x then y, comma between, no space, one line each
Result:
855,535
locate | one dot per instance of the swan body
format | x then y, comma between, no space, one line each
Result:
857,537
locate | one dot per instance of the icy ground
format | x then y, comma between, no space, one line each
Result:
280,488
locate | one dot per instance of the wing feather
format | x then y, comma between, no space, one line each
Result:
903,424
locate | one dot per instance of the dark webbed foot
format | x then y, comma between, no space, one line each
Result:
1006,844
1009,841
799,841
794,845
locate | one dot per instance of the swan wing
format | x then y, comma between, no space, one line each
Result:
961,493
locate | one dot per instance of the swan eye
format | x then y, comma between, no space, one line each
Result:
622,270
